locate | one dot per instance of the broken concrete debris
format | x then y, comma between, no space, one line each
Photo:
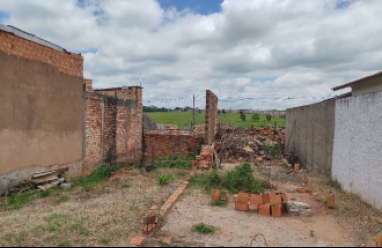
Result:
299,208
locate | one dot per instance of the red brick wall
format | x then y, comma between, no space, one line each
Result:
163,143
68,63
122,128
211,116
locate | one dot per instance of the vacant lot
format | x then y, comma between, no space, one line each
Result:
351,223
183,119
108,214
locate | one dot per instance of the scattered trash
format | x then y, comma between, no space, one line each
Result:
66,185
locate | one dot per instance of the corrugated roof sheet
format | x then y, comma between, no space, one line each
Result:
356,81
28,36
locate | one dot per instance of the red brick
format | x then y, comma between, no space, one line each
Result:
255,200
276,210
275,199
264,209
241,206
137,241
243,198
266,198
148,228
379,240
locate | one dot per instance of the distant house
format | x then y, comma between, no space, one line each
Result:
367,84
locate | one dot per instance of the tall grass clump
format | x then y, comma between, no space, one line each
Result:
97,176
240,179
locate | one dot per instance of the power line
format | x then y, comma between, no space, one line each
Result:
183,98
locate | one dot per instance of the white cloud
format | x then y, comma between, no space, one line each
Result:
252,48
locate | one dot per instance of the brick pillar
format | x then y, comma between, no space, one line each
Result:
88,85
135,130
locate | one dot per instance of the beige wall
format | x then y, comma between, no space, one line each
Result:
371,85
40,117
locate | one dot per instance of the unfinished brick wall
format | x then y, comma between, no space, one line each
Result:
165,143
88,85
68,63
211,116
113,128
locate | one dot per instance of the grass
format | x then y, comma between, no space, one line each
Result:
174,162
165,179
240,179
104,215
271,150
61,199
97,176
126,185
218,204
333,183
203,228
183,119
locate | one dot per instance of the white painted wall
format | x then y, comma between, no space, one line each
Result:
357,148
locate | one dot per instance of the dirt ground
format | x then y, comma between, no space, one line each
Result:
110,214
327,227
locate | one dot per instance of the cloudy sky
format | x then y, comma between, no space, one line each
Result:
267,50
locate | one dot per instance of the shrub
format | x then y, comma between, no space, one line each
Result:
239,179
271,150
203,228
255,117
165,179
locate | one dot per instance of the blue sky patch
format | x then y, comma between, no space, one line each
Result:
343,4
3,15
199,6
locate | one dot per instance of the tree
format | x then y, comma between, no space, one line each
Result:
219,112
242,115
255,117
223,111
268,117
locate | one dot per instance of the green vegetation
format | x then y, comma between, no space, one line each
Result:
174,162
271,150
204,228
218,204
61,199
126,185
333,183
97,176
183,119
165,179
255,117
239,179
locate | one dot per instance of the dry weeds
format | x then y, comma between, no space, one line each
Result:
110,214
364,220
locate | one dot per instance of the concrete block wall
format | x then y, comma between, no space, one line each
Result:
211,117
357,146
309,134
166,143
68,63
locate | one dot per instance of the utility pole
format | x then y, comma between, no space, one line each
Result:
193,111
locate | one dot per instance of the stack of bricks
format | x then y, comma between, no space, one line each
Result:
266,204
204,160
211,117
68,63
